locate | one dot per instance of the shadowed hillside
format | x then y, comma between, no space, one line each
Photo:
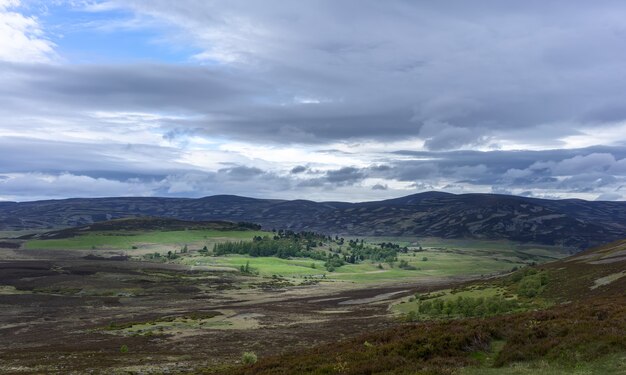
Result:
570,223
142,224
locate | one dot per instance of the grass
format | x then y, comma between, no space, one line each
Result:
122,240
445,258
179,324
439,264
533,252
265,266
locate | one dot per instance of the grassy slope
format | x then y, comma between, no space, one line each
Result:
582,333
124,240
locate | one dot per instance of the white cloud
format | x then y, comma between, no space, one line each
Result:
584,164
22,38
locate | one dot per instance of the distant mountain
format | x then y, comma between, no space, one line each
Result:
570,223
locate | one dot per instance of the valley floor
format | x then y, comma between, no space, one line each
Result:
62,313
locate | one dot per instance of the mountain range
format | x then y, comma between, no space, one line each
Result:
571,223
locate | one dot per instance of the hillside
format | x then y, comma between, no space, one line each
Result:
569,223
581,330
142,224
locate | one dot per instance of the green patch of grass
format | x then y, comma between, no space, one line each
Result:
177,324
265,266
518,292
412,303
439,264
123,240
470,302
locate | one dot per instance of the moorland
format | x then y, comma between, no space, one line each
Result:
157,294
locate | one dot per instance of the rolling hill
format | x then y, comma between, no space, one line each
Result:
140,224
572,223
581,331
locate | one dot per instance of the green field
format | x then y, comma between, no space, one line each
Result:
438,258
265,266
439,264
122,240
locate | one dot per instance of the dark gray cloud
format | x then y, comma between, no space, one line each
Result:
477,70
346,175
298,169
352,99
530,173
242,173
475,73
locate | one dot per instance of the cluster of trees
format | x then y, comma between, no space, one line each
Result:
530,282
377,254
287,244
268,247
395,246
333,262
464,307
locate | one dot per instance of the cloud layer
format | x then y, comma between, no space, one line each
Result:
318,99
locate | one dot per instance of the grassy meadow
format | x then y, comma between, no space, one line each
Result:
437,257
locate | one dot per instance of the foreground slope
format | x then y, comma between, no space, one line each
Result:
570,223
583,332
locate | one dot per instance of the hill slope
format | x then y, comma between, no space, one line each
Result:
142,224
583,332
571,223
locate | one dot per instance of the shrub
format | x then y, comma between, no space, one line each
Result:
529,287
123,349
248,358
405,265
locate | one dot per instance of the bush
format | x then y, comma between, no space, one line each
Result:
248,358
463,307
123,349
529,287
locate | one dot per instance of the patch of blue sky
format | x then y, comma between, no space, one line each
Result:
112,36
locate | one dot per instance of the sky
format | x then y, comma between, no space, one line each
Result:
349,100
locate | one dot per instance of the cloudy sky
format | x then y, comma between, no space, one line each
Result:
324,100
